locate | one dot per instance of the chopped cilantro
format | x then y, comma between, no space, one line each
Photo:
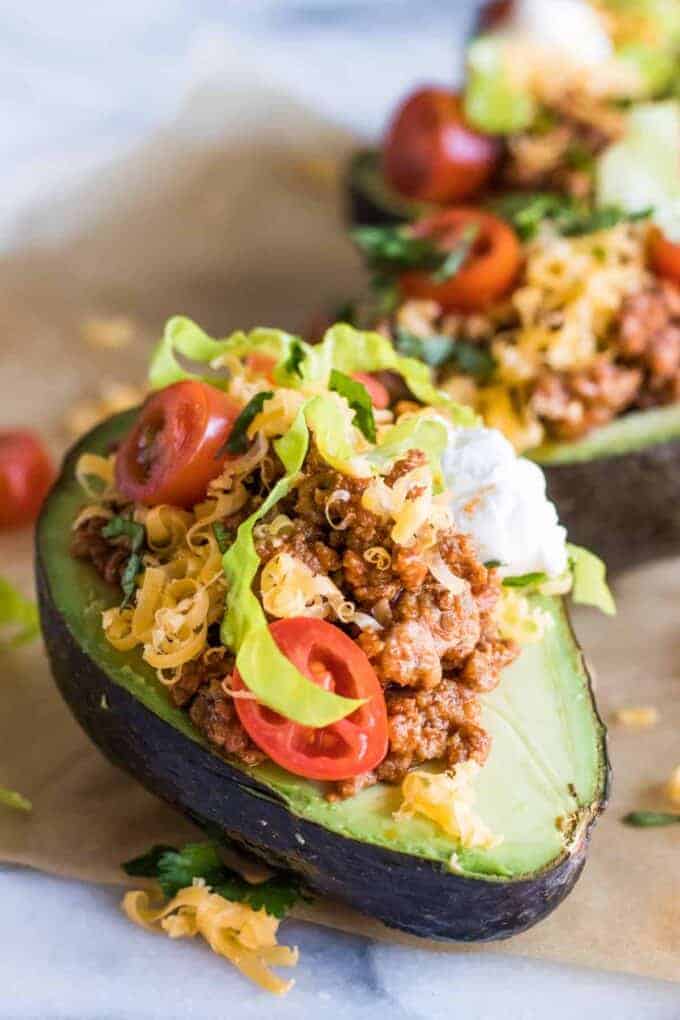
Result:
222,535
124,526
238,437
436,351
176,869
650,819
572,218
391,250
356,395
296,356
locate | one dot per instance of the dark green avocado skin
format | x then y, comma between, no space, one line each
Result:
625,508
405,892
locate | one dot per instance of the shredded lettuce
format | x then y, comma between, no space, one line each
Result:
18,617
185,351
641,170
263,668
334,435
493,103
590,581
420,433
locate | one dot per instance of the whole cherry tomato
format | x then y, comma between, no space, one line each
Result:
176,446
664,256
26,474
431,154
488,272
328,657
380,397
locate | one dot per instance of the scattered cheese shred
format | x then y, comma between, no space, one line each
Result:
518,621
244,936
673,786
637,717
289,588
448,799
410,502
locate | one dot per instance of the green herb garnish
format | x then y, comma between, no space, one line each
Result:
391,250
295,358
650,819
436,351
356,395
176,869
570,217
124,526
524,580
222,535
238,437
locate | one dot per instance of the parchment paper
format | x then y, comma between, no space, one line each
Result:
242,233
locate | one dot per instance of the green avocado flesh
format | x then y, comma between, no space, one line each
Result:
627,434
547,769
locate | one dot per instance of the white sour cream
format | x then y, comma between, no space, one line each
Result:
499,499
568,27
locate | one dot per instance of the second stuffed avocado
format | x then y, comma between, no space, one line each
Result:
162,622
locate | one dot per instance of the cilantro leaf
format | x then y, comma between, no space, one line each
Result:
222,535
391,250
524,580
238,438
18,617
118,527
356,395
176,869
295,358
437,350
570,217
650,819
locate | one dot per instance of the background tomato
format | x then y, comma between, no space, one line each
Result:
328,657
488,272
664,256
175,447
26,473
431,154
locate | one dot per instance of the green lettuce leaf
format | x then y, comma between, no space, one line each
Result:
14,800
494,104
357,396
418,432
185,350
176,869
590,583
18,617
641,170
349,350
264,669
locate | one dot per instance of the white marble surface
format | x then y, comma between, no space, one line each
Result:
79,84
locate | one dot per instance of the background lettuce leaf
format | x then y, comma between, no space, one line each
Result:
590,580
18,617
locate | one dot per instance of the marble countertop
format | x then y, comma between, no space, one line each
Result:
82,83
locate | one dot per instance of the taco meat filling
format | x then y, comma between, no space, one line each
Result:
435,647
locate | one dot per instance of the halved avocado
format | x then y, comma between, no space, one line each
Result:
617,491
371,201
542,788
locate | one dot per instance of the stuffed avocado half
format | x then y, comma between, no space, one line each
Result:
474,833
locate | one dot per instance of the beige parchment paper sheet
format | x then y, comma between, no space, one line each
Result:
241,233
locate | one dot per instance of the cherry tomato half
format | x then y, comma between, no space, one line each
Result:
26,474
326,655
665,256
173,450
431,154
487,274
380,397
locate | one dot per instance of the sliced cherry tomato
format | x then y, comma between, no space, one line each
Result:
326,655
26,474
174,448
494,14
431,154
487,274
260,365
665,256
378,393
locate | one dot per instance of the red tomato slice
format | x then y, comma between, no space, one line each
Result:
486,275
431,154
378,393
326,655
173,450
26,474
665,256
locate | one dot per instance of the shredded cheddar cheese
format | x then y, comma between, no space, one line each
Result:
638,717
673,786
242,935
448,799
518,621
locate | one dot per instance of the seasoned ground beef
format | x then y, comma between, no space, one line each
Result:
434,651
106,555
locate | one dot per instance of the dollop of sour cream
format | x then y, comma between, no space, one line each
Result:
571,28
499,499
